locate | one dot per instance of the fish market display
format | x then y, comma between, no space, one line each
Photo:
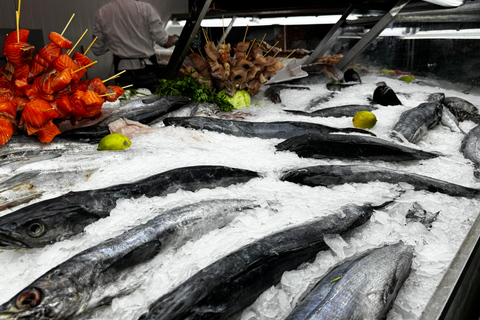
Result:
38,89
230,284
351,146
80,283
414,123
360,288
328,175
59,218
264,130
434,224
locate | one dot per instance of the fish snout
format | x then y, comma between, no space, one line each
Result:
9,242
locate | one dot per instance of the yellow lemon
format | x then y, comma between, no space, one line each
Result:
114,141
364,120
408,78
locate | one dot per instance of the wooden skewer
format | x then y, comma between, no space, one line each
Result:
205,35
263,37
91,44
114,76
288,55
201,55
17,18
71,50
223,28
88,65
276,53
130,85
107,94
271,48
245,34
251,46
73,15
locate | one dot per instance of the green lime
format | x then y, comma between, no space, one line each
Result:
364,120
408,78
114,141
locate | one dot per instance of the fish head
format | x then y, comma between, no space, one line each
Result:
43,223
53,296
399,266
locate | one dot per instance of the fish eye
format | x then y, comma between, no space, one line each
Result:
36,229
29,299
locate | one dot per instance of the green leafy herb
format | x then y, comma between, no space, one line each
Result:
190,88
129,93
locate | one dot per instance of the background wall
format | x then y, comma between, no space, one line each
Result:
53,15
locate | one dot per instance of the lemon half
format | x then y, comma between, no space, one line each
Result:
114,141
364,120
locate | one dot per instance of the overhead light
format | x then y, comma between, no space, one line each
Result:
255,21
415,33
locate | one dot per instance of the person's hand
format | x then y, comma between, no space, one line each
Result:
172,40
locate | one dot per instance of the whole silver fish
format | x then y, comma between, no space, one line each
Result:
192,109
462,109
329,175
235,281
360,288
60,218
78,284
414,123
449,120
263,130
471,149
336,112
351,146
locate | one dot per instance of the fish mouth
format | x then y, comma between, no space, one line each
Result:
7,242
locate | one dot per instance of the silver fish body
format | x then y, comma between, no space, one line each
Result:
360,288
235,281
192,109
449,120
263,130
77,285
336,112
329,175
471,149
60,218
462,109
351,146
414,123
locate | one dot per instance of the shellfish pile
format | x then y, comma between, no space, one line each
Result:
246,67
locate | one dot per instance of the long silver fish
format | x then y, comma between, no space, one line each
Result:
273,91
233,282
360,288
351,146
414,123
471,149
264,130
329,175
192,109
79,284
336,112
462,109
60,218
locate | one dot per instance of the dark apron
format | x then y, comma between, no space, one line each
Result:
140,78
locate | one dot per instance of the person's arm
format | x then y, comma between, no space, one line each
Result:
157,32
100,45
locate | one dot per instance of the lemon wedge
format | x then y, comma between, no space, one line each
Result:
114,141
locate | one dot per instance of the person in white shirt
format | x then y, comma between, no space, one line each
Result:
129,29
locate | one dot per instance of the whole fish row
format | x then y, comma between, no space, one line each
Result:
78,285
60,218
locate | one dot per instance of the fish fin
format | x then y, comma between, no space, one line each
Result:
138,255
18,179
